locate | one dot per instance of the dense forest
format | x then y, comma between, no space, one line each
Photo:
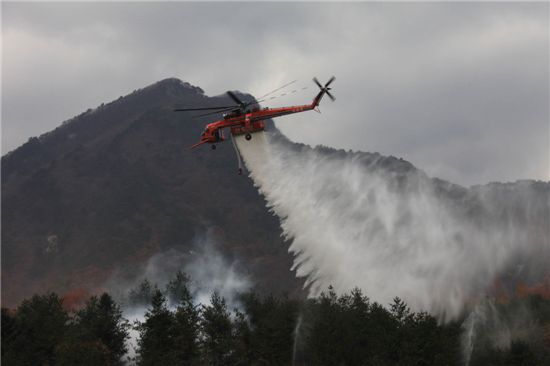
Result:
346,329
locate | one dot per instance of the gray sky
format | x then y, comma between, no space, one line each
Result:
459,89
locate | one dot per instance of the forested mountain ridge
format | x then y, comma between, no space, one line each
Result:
114,186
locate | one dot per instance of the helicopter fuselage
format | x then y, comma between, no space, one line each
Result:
250,121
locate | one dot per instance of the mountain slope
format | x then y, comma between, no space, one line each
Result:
115,185
108,189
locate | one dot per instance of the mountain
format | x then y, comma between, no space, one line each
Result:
111,188
115,185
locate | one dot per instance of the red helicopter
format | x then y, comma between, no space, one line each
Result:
242,118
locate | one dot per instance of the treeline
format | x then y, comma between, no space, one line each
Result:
332,329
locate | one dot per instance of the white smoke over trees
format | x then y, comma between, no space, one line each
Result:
206,266
205,269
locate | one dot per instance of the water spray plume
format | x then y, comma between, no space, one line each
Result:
360,219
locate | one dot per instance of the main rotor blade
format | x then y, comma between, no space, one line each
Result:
263,99
216,112
331,96
318,83
252,102
330,81
203,109
279,88
234,97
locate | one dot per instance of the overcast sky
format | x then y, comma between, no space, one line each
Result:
459,89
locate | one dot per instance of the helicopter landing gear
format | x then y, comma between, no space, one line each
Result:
213,147
248,136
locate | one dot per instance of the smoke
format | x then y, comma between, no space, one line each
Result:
135,315
361,219
208,270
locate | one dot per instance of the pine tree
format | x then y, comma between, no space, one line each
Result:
101,321
400,311
143,294
272,320
177,290
243,344
157,341
402,347
216,329
323,344
9,333
186,330
41,324
357,324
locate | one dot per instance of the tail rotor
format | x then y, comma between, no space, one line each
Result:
326,88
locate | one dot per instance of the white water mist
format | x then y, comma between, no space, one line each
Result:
357,219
